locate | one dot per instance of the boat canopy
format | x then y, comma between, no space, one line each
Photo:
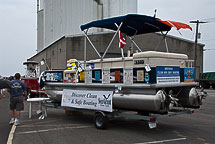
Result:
134,24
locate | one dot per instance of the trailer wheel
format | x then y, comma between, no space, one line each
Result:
100,120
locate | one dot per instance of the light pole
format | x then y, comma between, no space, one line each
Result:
197,22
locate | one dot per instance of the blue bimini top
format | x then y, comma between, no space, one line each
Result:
133,24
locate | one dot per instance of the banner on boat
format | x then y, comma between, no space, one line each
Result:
95,100
167,74
53,76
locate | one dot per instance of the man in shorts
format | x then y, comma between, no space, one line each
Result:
17,99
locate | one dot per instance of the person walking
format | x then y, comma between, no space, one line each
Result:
4,86
17,99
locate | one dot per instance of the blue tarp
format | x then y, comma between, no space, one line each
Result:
133,24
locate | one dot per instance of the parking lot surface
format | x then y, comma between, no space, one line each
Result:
57,128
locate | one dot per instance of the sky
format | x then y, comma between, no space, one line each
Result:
17,34
185,11
18,28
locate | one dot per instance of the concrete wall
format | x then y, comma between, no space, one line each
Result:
75,46
55,55
66,48
64,17
118,7
59,20
40,30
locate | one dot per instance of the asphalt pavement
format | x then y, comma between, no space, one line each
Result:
4,120
57,128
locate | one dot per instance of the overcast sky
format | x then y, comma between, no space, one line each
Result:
18,28
17,34
184,11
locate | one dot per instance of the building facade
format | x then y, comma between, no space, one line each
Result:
58,18
59,37
72,47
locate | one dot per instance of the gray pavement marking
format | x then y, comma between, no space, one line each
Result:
54,129
54,125
25,120
201,139
178,134
195,125
10,137
42,122
162,141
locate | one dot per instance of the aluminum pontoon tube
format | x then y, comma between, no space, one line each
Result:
138,102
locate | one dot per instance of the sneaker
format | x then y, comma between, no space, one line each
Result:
17,122
11,122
